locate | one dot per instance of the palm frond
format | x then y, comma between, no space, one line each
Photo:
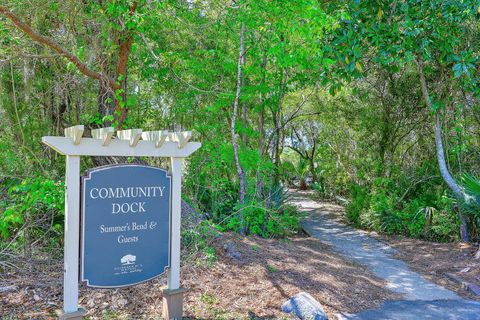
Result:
472,185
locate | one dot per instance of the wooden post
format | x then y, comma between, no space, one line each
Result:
173,295
72,233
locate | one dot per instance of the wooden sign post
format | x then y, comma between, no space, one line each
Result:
129,143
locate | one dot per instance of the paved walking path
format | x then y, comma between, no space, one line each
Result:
422,298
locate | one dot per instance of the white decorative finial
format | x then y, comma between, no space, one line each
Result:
159,136
181,138
104,134
131,135
75,133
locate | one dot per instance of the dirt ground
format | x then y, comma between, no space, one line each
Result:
271,271
254,287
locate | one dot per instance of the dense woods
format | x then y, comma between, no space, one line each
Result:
375,104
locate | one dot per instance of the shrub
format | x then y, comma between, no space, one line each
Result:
360,201
33,207
262,221
200,240
424,212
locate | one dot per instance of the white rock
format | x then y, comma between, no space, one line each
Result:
304,306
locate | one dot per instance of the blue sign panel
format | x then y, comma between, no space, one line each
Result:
126,225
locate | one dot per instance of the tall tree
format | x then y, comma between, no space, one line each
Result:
116,84
241,61
395,34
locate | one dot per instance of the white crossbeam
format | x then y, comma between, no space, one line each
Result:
117,147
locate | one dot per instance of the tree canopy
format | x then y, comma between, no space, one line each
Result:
376,102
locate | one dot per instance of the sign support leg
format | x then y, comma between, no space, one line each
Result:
173,295
72,233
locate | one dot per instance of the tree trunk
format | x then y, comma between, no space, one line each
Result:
277,119
442,164
449,180
312,161
15,106
121,108
26,81
244,111
311,164
303,184
259,182
240,172
261,138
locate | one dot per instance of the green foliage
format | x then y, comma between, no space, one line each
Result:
334,83
217,194
211,305
33,206
199,240
396,39
264,222
427,213
360,201
271,269
472,186
472,203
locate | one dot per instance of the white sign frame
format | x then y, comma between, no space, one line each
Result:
174,145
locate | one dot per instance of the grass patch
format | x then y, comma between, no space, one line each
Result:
271,269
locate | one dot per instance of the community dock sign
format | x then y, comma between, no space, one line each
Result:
125,225
123,222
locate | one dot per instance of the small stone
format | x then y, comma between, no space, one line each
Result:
120,303
232,251
36,297
465,269
91,303
473,288
304,306
8,289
